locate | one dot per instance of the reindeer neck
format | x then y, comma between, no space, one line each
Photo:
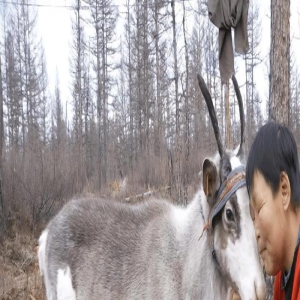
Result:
200,269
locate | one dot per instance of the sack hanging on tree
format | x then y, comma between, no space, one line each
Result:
227,14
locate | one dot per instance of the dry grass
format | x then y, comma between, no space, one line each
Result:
19,272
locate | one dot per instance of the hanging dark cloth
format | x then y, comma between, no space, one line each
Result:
227,14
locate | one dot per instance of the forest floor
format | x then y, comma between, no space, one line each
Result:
19,272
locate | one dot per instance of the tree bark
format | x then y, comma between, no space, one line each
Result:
131,110
227,114
280,61
187,113
177,113
158,87
1,151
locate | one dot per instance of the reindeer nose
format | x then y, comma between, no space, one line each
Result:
260,290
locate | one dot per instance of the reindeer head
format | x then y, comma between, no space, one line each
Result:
231,232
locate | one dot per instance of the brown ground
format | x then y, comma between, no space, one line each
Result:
19,272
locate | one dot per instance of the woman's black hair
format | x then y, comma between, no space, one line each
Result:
274,150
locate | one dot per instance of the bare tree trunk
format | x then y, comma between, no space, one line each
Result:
79,76
21,83
187,114
177,114
158,139
227,114
105,104
131,110
249,126
99,88
252,59
175,67
139,82
280,61
146,93
2,219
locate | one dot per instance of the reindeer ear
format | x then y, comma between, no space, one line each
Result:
210,180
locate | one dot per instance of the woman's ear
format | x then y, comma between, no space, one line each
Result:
285,190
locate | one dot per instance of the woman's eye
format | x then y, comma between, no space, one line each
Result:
229,214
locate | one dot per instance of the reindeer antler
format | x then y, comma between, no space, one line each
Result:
242,115
211,111
225,164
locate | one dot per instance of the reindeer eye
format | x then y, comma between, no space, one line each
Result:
229,214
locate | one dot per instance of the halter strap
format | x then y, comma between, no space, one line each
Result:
234,180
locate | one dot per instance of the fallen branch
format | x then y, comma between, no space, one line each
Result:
146,194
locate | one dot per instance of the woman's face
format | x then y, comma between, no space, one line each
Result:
267,213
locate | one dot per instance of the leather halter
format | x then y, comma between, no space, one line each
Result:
234,180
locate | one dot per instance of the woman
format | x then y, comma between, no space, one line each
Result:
273,183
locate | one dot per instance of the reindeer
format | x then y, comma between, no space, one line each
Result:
97,249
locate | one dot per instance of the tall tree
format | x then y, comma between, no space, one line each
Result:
87,120
12,93
23,72
128,66
294,100
280,61
210,69
252,60
77,68
1,151
158,109
186,109
44,107
18,43
177,108
104,17
59,126
196,54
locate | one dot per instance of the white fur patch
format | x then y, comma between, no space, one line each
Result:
64,288
179,217
42,251
182,217
43,262
242,255
235,162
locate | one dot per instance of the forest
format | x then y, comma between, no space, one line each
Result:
135,121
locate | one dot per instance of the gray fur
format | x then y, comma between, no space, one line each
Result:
128,252
119,251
